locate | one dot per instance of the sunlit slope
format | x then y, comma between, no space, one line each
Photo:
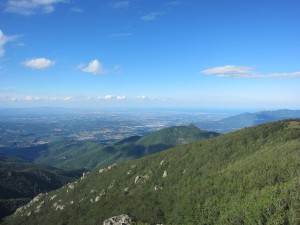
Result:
251,176
91,154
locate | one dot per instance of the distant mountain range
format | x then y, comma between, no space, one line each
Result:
240,121
246,177
91,154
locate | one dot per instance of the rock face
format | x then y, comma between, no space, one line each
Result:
118,220
165,174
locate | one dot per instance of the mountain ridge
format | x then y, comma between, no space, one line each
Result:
249,176
91,154
243,120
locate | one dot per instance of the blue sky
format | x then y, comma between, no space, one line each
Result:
132,53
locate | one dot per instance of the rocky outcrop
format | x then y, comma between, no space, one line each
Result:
165,174
84,175
137,179
118,220
103,170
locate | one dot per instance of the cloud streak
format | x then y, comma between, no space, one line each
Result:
77,10
112,97
30,7
232,71
151,16
4,40
174,3
38,63
31,98
143,97
120,5
79,99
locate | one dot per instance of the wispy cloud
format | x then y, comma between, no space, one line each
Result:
94,67
112,97
4,40
32,98
77,10
29,7
69,98
244,72
120,4
38,63
143,97
78,99
122,97
151,16
120,35
106,97
11,98
174,3
20,44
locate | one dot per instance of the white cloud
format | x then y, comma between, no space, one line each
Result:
29,7
32,98
141,97
120,4
244,72
106,97
122,97
151,16
112,97
38,63
227,71
3,40
69,98
94,67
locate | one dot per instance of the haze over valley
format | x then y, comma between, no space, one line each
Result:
154,112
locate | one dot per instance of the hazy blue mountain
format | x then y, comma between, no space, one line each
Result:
249,176
247,120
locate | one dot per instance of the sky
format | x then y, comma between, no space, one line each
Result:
150,53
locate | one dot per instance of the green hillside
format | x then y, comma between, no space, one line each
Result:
91,154
174,136
22,181
74,155
251,176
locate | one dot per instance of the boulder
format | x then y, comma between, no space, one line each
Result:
118,220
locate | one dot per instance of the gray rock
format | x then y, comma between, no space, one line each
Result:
118,220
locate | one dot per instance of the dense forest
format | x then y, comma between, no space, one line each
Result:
246,177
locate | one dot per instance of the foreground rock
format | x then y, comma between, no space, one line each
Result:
118,220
